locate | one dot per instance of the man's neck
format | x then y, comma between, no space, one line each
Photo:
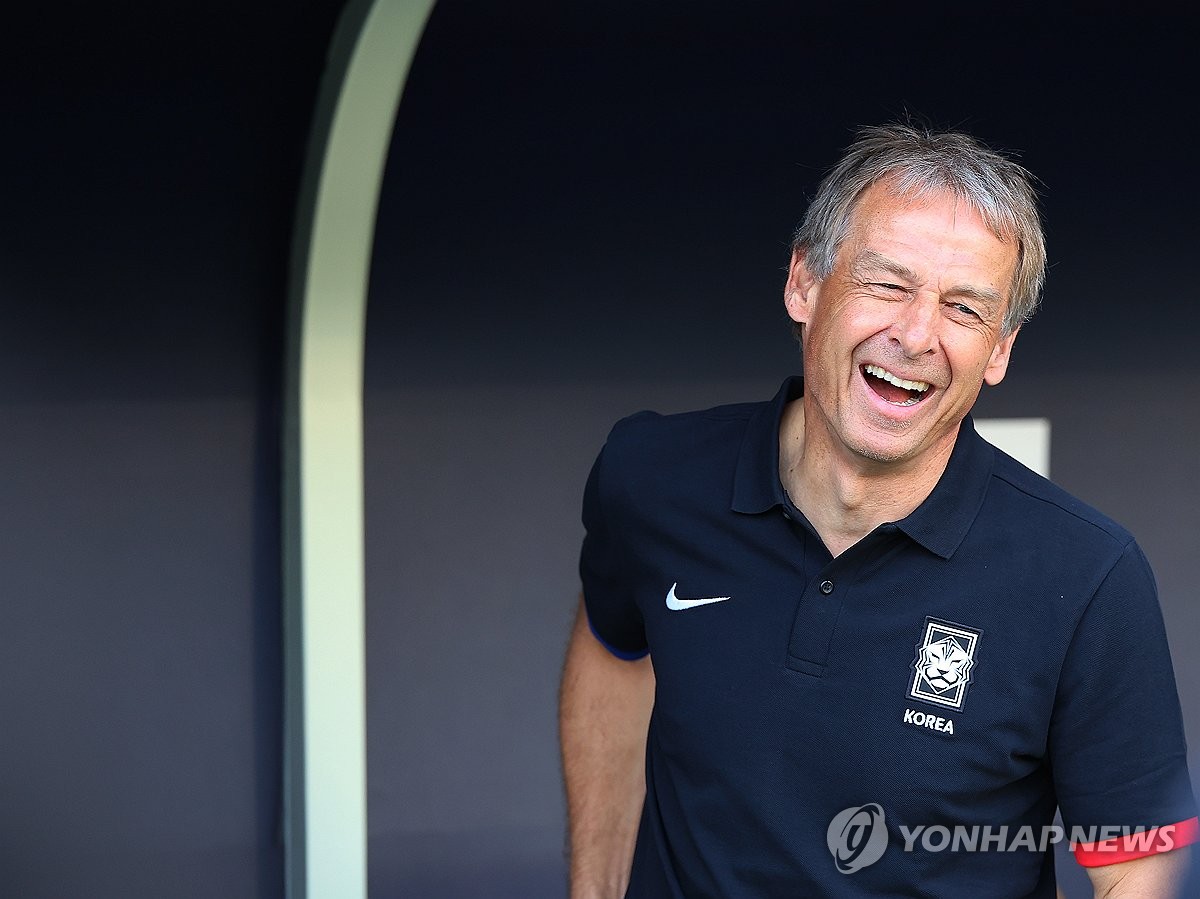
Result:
845,497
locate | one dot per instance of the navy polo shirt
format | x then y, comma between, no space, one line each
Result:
997,654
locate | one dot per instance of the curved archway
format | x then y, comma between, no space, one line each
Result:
324,717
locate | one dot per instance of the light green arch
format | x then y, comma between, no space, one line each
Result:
325,827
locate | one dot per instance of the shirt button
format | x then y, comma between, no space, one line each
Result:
787,515
826,587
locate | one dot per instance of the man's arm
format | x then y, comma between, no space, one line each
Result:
1159,876
603,714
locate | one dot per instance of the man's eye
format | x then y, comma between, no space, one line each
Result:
887,286
965,310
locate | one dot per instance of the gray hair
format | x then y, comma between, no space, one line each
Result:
920,161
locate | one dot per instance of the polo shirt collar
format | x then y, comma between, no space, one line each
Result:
756,485
939,524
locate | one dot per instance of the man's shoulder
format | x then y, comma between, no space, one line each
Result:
653,450
649,432
1042,501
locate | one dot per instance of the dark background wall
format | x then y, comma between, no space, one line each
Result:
586,212
150,155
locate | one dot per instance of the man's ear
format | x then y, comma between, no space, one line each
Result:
799,294
998,363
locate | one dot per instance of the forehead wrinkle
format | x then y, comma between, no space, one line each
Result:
868,259
872,260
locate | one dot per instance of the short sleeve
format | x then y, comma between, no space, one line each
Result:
1117,749
607,586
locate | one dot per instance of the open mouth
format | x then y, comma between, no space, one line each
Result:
893,389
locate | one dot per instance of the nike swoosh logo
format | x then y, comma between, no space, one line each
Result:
675,604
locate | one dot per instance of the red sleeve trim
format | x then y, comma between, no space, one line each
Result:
1137,845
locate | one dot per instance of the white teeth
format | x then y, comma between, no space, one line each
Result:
919,386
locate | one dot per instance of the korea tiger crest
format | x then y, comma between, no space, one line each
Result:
945,662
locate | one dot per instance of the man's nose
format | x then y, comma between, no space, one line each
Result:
915,327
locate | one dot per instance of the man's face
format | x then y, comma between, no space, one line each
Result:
902,335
